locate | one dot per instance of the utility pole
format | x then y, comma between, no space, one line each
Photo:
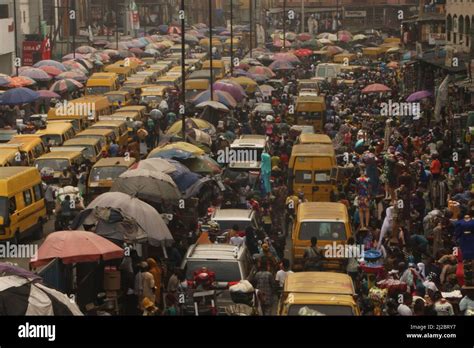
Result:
16,37
231,37
116,24
284,25
251,27
183,70
210,51
302,16
72,20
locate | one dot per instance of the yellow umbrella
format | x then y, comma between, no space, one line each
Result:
248,84
180,145
191,122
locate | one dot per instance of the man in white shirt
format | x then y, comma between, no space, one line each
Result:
282,274
236,240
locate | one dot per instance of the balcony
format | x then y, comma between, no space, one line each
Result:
7,29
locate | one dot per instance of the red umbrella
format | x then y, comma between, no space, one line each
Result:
51,70
174,30
76,246
303,52
21,81
376,88
304,37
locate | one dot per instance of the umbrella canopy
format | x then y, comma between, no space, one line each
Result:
49,62
418,96
231,87
262,70
147,185
266,90
281,65
75,75
180,145
288,57
74,65
247,83
304,37
85,49
326,42
114,46
46,94
220,96
73,56
10,269
149,223
75,247
174,30
125,54
86,63
156,165
376,88
303,52
5,80
359,37
214,105
66,85
20,296
18,96
203,165
36,74
264,108
21,81
333,50
110,52
190,123
279,43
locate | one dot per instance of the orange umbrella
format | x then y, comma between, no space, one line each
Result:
376,88
21,81
76,246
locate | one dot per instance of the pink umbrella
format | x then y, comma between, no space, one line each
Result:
45,94
304,37
288,57
332,50
50,70
376,88
281,65
279,43
75,75
231,87
75,247
262,70
35,74
74,65
73,56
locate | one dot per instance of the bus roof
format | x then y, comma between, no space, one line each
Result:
322,210
55,128
313,138
313,150
60,154
115,161
81,141
319,283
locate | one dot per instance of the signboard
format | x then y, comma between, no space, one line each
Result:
355,14
31,52
436,39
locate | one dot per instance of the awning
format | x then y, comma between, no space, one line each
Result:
306,10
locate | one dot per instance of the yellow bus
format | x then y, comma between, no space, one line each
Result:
122,71
105,171
118,127
9,157
55,134
101,83
119,98
31,146
105,136
312,169
313,138
311,110
92,152
22,204
59,159
218,68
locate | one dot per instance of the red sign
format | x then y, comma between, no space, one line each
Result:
46,49
29,48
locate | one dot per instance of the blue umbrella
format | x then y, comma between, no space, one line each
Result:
19,95
172,153
182,176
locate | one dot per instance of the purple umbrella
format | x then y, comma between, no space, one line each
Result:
234,89
35,74
71,56
241,72
9,269
281,65
419,95
46,94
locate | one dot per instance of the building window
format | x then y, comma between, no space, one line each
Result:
4,11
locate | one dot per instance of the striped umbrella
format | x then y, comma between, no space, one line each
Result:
85,49
86,63
75,75
36,74
49,62
73,65
50,70
231,87
220,96
66,85
262,70
47,94
21,81
73,56
281,65
288,57
19,95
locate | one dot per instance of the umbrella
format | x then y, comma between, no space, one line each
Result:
163,29
49,62
203,165
19,95
418,96
393,65
144,222
86,63
147,185
85,49
74,65
75,247
240,72
266,90
304,37
20,296
191,123
5,80
51,70
180,145
359,37
156,165
248,84
303,52
214,105
281,65
243,66
264,108
313,43
10,269
114,46
279,43
290,36
174,30
220,96
344,37
262,70
36,74
110,52
21,81
376,88
66,85
75,75
171,153
136,51
231,87
325,42
288,57
73,56
333,50
46,94
393,49
125,54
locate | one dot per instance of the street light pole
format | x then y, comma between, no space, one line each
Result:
116,24
251,27
284,25
16,36
210,51
231,37
302,16
183,71
73,8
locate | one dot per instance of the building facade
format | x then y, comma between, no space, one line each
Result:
459,23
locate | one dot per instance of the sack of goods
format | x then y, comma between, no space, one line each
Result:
242,292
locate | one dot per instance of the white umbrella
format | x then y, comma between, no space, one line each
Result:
212,104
